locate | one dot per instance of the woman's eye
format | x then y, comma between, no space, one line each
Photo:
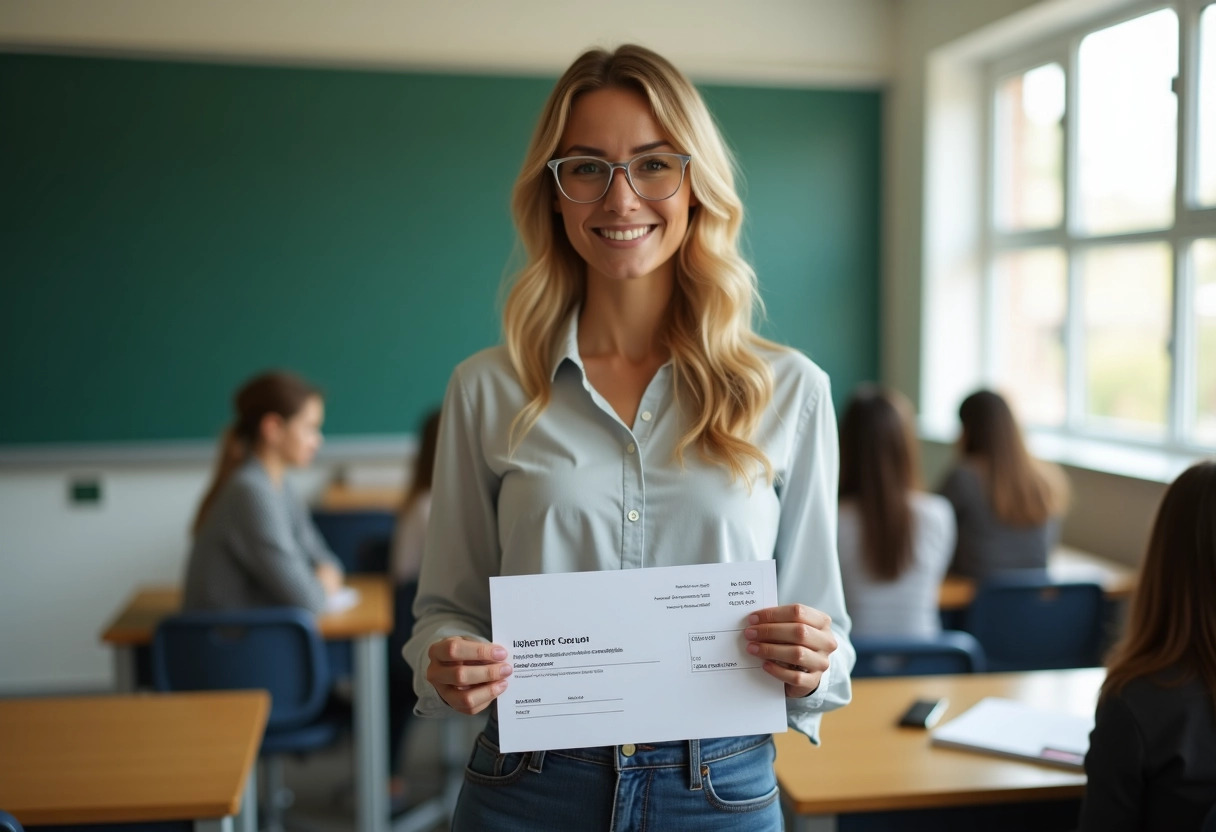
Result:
588,168
654,163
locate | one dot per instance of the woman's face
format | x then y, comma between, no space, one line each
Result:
297,439
617,124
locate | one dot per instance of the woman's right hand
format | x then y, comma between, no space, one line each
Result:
467,674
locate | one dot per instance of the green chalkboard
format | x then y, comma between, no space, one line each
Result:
169,228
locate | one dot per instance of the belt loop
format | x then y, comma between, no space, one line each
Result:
694,765
536,760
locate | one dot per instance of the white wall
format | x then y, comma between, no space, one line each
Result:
771,41
64,571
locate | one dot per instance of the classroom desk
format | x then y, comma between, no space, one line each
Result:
366,625
868,764
133,758
339,497
1065,564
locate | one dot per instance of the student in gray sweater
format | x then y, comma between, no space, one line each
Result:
254,542
1008,504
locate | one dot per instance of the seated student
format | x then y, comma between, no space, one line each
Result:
895,540
1152,754
254,542
410,531
405,563
1007,503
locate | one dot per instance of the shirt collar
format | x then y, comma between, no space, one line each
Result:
566,348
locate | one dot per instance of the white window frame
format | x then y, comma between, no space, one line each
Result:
979,77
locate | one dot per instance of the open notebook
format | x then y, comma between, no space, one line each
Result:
1011,729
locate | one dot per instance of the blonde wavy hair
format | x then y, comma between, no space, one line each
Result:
718,369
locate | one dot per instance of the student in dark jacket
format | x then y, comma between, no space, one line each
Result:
1152,754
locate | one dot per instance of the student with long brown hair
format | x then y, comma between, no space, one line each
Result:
1151,763
255,544
409,534
1008,504
632,419
896,539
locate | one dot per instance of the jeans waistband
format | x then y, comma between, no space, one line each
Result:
683,753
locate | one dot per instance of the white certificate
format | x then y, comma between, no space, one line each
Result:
634,656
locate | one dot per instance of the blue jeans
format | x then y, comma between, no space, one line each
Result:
703,785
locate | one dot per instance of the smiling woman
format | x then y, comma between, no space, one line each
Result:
631,388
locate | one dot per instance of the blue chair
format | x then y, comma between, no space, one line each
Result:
8,823
949,652
1027,621
277,649
346,532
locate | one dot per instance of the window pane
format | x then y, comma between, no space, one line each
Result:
1030,150
1127,291
1127,125
1031,301
1206,190
1205,341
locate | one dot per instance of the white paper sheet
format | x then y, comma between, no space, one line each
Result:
634,656
342,600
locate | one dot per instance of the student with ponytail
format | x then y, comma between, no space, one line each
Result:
254,542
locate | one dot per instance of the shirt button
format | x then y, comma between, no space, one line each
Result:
630,448
645,415
629,749
633,516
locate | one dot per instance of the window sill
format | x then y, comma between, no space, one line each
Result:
1106,457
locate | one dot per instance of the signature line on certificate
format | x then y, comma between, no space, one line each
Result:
579,713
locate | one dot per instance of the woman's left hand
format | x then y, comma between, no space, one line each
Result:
795,640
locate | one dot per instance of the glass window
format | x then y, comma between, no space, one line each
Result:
1031,296
1206,155
1029,137
1127,300
1204,259
1127,125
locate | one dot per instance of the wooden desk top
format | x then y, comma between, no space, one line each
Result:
868,763
1066,564
338,497
136,622
122,759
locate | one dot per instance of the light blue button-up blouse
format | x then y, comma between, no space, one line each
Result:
584,491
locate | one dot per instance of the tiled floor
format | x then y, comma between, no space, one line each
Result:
323,781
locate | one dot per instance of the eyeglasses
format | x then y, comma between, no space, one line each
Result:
652,176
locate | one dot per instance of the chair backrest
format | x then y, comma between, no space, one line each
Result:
374,554
8,823
346,531
949,652
1027,621
277,649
